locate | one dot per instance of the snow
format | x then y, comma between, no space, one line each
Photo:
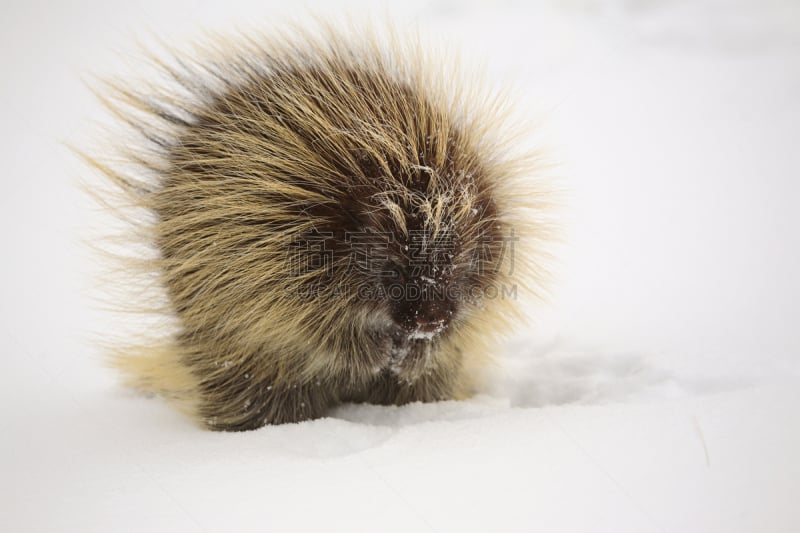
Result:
426,335
658,391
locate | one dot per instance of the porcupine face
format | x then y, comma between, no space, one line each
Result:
426,274
427,253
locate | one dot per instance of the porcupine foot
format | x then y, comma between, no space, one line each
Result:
263,404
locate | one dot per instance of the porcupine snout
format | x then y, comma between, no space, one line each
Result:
425,310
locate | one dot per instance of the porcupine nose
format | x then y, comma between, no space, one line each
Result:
431,320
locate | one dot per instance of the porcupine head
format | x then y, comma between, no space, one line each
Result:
333,218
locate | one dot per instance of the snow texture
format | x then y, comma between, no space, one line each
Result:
657,392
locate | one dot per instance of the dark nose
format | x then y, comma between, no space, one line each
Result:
423,317
431,319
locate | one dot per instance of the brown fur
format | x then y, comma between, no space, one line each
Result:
248,152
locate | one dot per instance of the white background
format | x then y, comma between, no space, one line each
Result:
658,391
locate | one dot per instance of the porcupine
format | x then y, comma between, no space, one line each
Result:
336,219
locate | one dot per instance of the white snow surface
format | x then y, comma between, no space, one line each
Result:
657,391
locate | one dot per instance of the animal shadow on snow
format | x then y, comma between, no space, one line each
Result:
531,375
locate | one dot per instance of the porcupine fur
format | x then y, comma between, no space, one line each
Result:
288,185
